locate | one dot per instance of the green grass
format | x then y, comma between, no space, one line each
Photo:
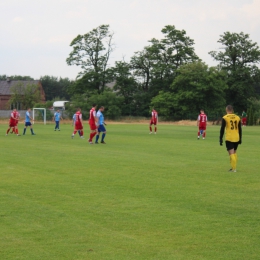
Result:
141,196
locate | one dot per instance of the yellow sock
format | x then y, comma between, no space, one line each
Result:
235,157
233,161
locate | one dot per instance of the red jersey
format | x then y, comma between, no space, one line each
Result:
13,117
202,118
154,116
92,116
78,117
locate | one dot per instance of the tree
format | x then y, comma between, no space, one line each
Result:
91,52
15,77
196,86
56,87
238,58
26,95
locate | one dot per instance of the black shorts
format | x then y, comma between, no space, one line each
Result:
231,145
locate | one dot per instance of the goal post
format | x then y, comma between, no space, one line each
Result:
44,113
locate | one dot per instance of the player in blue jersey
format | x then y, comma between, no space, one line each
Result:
101,127
27,122
57,116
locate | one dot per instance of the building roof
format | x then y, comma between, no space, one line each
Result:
59,103
5,86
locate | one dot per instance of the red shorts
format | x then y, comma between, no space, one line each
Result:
202,127
12,123
78,126
93,127
153,122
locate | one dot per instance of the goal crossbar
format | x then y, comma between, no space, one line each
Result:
44,116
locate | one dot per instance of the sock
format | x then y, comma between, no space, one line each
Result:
75,132
16,131
103,136
198,133
151,129
91,136
155,129
97,137
7,130
204,134
235,157
233,161
32,131
81,133
24,130
13,130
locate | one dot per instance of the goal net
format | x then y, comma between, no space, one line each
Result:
42,112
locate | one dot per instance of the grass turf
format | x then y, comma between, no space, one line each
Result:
141,196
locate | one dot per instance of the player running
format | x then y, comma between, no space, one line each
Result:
154,121
57,116
100,125
27,122
74,121
202,124
78,125
92,123
13,122
232,124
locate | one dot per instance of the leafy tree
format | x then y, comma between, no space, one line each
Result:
26,95
107,98
196,86
238,57
56,87
91,52
15,77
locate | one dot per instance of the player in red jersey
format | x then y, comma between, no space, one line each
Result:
202,124
92,123
13,122
78,124
154,121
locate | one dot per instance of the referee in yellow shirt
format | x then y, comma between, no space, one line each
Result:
232,124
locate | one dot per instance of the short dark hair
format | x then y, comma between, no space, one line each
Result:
101,107
229,108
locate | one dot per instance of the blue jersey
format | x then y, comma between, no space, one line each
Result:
100,117
27,117
57,116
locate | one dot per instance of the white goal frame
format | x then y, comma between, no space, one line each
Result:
44,116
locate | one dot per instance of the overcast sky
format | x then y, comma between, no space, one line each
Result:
35,34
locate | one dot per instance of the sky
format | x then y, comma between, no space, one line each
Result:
36,34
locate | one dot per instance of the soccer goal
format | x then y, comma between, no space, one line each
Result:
43,112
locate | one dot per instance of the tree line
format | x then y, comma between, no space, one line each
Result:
166,74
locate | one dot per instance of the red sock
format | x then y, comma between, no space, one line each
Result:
155,129
75,131
16,131
151,129
204,134
199,133
81,133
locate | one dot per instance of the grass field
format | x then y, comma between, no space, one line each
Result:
141,196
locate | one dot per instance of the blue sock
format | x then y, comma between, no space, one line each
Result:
24,130
32,131
97,137
103,136
79,133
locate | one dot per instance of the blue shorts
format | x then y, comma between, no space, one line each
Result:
28,124
101,128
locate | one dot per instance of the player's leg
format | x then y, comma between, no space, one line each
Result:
25,126
104,134
75,131
31,128
155,128
231,152
204,134
150,126
58,125
97,136
7,131
81,133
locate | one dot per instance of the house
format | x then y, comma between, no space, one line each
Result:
6,92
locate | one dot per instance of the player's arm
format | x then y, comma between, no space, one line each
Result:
222,130
198,121
240,132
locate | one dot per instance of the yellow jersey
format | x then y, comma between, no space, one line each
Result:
233,125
